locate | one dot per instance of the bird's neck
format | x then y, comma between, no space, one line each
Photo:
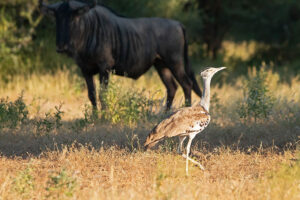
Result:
205,100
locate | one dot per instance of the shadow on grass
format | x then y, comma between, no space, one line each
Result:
250,137
25,142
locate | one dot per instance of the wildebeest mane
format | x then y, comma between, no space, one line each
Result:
100,27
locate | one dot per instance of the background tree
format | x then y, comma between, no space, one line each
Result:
274,25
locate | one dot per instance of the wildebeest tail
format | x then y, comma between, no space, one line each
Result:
188,69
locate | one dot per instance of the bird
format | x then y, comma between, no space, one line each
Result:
187,121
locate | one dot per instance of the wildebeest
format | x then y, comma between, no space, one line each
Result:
102,42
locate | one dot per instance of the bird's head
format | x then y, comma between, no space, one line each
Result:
210,71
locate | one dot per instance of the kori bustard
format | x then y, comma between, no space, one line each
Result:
186,122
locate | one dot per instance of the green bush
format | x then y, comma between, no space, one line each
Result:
258,101
27,40
24,183
126,106
13,114
18,22
51,121
61,185
90,117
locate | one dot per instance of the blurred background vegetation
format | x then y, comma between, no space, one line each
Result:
238,34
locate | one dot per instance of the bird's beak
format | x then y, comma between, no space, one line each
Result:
221,68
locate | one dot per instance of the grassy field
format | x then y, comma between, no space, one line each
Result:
53,146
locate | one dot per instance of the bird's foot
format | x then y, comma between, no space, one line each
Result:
195,162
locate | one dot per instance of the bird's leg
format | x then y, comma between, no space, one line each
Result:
193,161
188,148
181,140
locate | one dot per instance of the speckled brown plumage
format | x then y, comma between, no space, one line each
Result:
181,123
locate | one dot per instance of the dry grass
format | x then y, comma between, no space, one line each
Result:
106,161
119,174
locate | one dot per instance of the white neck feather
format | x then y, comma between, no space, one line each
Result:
205,99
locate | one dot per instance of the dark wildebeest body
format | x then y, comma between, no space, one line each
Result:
102,42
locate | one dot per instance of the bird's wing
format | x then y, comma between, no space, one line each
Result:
186,121
182,122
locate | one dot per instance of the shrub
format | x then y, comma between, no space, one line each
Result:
51,121
258,101
90,117
24,183
18,22
60,185
126,106
14,113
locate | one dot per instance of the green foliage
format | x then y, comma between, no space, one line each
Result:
51,121
90,117
25,36
61,185
126,106
18,22
13,114
258,101
273,23
24,183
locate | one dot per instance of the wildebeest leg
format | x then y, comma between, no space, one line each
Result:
104,76
91,89
183,79
167,78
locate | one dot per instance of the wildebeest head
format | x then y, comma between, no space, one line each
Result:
64,12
